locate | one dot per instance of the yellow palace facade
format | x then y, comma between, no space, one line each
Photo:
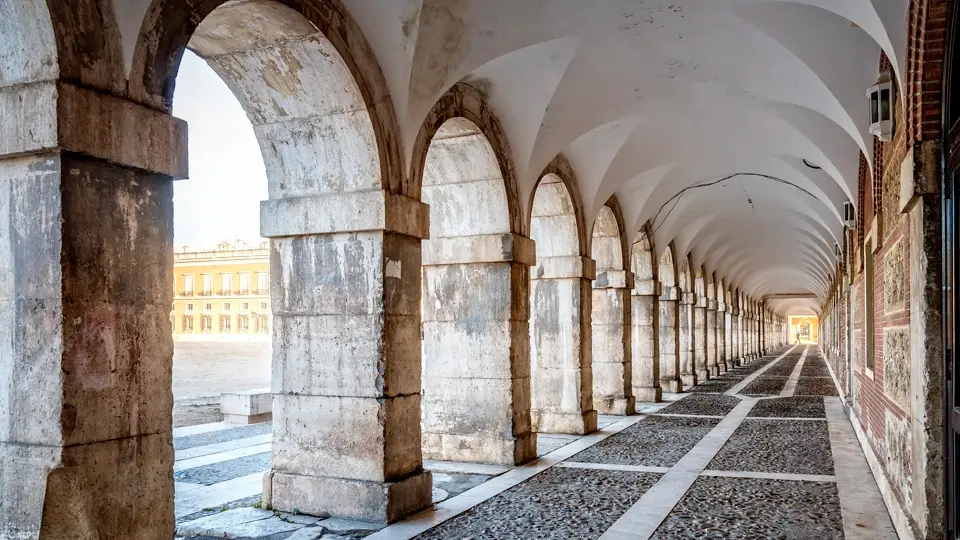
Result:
222,294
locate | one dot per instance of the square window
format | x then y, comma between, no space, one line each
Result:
189,308
208,307
245,306
226,306
263,306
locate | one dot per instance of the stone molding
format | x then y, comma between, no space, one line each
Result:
669,293
486,248
354,211
67,117
712,305
688,298
564,267
646,287
614,279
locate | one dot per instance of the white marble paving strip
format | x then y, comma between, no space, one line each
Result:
454,506
459,467
210,459
691,415
201,428
790,388
861,505
612,467
195,499
643,518
789,418
771,476
749,379
197,451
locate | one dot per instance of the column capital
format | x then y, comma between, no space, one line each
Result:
646,287
352,211
67,117
614,279
485,248
669,293
688,298
564,267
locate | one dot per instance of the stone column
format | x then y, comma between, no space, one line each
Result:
476,357
712,332
345,288
736,338
645,321
722,340
700,359
612,354
688,373
728,338
669,340
561,345
86,353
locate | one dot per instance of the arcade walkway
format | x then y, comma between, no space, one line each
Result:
763,451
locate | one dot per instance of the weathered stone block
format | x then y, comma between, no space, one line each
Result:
468,293
247,406
355,438
467,406
484,350
894,278
358,499
896,365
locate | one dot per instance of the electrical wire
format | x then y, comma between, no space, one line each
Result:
676,198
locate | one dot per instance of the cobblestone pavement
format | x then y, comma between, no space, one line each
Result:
712,463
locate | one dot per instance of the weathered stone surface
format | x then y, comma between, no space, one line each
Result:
894,279
669,346
896,365
645,348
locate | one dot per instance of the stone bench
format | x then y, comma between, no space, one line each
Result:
247,406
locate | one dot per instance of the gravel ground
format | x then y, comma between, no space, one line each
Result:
559,504
789,407
816,386
769,386
745,508
657,441
777,446
705,404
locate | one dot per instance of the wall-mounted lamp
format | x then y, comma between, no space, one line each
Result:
849,215
837,251
881,98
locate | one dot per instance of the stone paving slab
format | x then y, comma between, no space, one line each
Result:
789,407
657,441
223,435
777,446
738,508
222,471
559,503
765,386
702,404
816,386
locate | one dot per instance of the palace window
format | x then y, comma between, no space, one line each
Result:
226,284
244,306
224,324
188,285
206,323
187,324
243,323
207,285
263,282
245,283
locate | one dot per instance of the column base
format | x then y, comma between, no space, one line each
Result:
568,423
673,386
648,395
703,375
714,370
381,502
480,449
722,367
688,379
619,406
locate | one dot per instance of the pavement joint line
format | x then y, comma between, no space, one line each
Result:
862,508
454,506
613,467
750,378
642,519
790,387
762,475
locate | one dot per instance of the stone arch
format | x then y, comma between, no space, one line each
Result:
465,102
560,307
304,73
475,281
643,263
667,267
612,362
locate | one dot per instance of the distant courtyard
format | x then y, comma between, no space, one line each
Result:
202,370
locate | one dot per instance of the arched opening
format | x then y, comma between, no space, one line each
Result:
344,277
560,299
669,307
645,320
476,378
612,362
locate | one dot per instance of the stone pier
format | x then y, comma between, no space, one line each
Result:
700,360
476,360
561,345
645,323
713,332
669,340
688,373
345,287
612,347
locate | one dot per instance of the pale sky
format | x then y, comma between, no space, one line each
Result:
221,199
